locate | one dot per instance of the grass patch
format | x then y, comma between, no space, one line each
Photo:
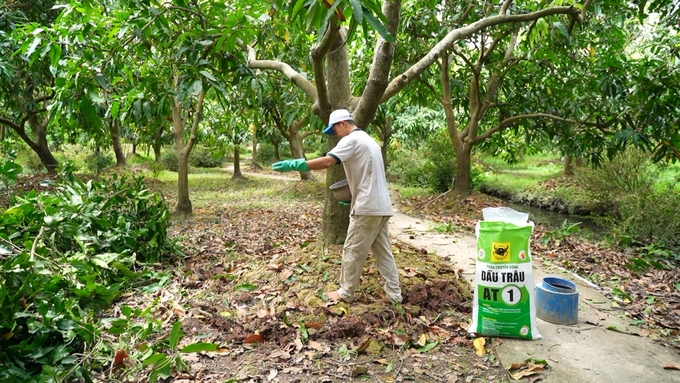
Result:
210,187
407,192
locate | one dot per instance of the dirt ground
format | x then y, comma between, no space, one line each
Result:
253,282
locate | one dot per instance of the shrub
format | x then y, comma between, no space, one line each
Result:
66,255
169,160
98,161
202,157
639,211
432,166
406,167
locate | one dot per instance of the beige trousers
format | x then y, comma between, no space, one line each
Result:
368,233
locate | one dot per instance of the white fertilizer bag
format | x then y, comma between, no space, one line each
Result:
504,303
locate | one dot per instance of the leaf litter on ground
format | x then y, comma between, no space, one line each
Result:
254,275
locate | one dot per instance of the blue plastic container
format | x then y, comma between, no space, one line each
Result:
557,301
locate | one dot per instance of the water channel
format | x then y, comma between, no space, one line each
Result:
555,219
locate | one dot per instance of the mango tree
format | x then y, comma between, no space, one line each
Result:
331,84
28,57
282,109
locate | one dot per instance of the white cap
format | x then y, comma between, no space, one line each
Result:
337,116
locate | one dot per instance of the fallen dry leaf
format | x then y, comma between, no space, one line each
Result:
316,346
422,340
526,368
254,338
119,358
479,343
363,346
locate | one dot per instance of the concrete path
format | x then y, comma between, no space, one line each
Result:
600,348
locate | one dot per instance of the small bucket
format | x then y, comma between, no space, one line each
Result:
341,191
557,301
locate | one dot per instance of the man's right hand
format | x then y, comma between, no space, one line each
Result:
299,164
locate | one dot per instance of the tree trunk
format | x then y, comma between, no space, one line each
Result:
157,144
179,122
568,165
386,137
46,158
183,202
253,134
277,153
39,146
336,217
237,164
462,185
114,129
297,151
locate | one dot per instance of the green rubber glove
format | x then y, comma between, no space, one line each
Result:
299,164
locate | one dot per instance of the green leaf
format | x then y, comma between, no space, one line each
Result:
357,10
31,48
196,87
175,335
55,54
199,347
378,26
304,335
102,81
428,347
246,287
208,75
115,108
677,286
103,260
126,310
297,8
155,358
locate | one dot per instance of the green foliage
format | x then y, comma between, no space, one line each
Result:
441,157
170,161
641,211
406,168
98,161
265,153
9,170
432,166
559,234
156,168
65,255
654,256
202,157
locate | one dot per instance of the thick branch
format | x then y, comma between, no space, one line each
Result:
414,71
45,97
467,61
495,80
294,76
378,78
505,6
319,54
197,119
10,123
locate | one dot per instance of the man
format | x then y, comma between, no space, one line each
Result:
370,208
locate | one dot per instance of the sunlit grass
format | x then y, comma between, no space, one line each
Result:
210,188
411,191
